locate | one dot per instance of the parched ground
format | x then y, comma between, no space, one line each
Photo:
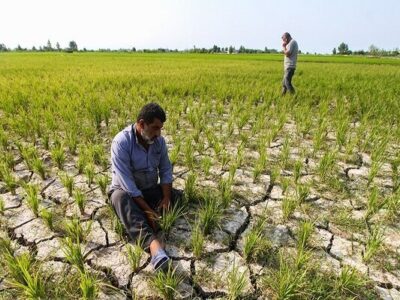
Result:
339,235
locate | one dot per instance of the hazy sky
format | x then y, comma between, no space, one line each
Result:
317,25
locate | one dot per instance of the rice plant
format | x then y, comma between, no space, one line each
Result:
255,243
288,207
28,282
103,181
74,229
225,189
169,217
73,253
197,240
298,166
374,203
237,283
2,206
32,198
206,165
304,232
302,192
58,156
190,188
167,283
135,253
8,178
374,243
210,213
80,200
349,282
39,168
48,218
68,182
327,164
89,286
89,172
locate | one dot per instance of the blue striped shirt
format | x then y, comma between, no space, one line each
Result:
133,167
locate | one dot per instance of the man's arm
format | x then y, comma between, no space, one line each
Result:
121,168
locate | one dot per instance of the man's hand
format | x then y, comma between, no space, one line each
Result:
152,219
164,204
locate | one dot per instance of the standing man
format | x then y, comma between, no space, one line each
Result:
290,49
139,158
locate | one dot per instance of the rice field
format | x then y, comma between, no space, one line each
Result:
293,197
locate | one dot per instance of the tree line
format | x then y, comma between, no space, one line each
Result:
343,49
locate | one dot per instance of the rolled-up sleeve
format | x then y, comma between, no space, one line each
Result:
121,167
165,168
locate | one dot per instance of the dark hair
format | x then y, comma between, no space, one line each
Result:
287,35
151,111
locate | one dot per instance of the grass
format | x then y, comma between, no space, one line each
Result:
210,212
169,217
32,198
73,253
2,206
197,240
80,200
237,282
68,182
135,253
48,218
374,243
288,207
167,283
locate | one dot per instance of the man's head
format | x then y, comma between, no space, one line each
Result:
286,37
150,121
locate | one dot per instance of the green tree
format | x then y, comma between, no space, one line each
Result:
73,46
334,51
343,48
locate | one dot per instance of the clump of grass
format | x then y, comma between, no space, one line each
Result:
225,188
48,218
103,181
32,198
74,229
89,286
39,168
58,156
135,253
89,172
2,206
255,243
305,230
374,243
374,204
349,281
68,182
327,164
73,253
302,192
8,178
288,207
28,282
298,166
190,188
209,213
166,283
80,200
237,282
393,206
197,240
206,165
169,217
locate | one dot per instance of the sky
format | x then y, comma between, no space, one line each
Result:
317,25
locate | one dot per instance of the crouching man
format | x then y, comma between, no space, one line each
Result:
139,158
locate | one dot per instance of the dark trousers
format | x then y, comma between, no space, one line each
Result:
133,217
287,81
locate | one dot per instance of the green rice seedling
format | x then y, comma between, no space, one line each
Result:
287,282
68,182
374,203
103,181
305,230
225,189
260,165
342,128
284,156
32,198
89,172
72,141
302,259
82,162
39,168
89,286
2,206
80,200
28,153
395,173
240,155
373,171
288,207
190,188
197,240
349,282
74,229
275,172
206,163
374,243
73,253
237,282
302,192
174,153
298,166
210,213
46,141
167,283
170,216
48,218
28,282
393,206
188,152
232,171
3,140
224,159
285,182
58,156
135,253
326,165
255,243
6,247
8,178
